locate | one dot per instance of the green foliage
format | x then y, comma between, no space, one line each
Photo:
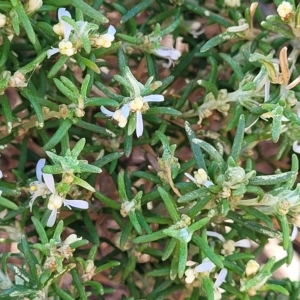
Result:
132,152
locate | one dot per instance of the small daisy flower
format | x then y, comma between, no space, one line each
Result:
38,188
229,246
139,105
120,115
168,53
56,201
104,40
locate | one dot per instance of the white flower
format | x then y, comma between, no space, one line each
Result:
105,40
168,53
56,201
33,5
120,115
233,3
139,105
3,20
220,279
229,246
284,9
205,267
63,29
38,188
200,178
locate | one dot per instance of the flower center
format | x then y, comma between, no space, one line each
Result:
66,48
55,201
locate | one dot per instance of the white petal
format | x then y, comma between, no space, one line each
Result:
221,278
215,234
107,112
205,267
62,12
153,98
49,181
267,90
39,166
190,263
294,233
243,243
33,197
189,279
208,183
175,54
67,30
52,218
111,30
125,110
190,177
296,147
139,124
1,174
52,51
77,203
163,52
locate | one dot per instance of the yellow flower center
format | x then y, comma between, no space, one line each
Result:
66,48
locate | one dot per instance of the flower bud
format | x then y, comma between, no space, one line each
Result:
284,10
251,268
33,5
233,3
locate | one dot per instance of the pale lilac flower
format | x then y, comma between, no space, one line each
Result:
205,267
229,246
38,188
139,105
63,29
120,115
168,53
56,201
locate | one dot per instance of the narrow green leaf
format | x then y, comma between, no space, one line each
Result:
40,230
35,104
78,284
238,139
164,111
7,203
136,10
57,136
89,11
200,242
7,112
210,87
170,204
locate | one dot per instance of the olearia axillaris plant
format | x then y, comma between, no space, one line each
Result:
148,149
